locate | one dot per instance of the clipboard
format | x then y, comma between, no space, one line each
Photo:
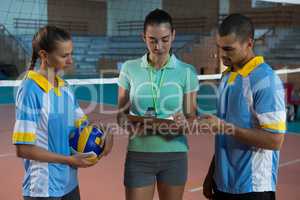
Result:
150,120
153,123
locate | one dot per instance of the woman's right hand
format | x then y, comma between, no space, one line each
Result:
82,160
136,129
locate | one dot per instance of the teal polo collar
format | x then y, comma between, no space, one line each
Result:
170,64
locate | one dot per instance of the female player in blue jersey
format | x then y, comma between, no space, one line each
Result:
46,113
160,85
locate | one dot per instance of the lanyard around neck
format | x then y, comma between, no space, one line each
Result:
155,90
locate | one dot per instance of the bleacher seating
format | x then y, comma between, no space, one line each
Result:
13,55
286,51
89,50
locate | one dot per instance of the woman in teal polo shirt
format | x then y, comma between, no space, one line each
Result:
157,84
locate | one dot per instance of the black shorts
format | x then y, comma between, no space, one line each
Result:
246,196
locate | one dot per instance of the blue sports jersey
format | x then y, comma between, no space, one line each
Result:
45,116
251,97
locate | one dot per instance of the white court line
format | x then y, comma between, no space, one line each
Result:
6,155
196,189
280,165
289,163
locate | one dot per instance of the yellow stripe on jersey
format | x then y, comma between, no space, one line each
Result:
23,137
279,126
232,77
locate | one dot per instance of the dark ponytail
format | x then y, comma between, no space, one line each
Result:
46,39
34,55
34,58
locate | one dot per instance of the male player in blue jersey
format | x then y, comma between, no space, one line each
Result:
250,122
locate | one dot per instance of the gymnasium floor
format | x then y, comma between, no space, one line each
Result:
104,180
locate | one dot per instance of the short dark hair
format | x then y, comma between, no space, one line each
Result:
46,39
238,24
156,17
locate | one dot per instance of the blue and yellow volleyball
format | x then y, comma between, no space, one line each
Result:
87,139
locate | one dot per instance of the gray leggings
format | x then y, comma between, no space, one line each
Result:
73,195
